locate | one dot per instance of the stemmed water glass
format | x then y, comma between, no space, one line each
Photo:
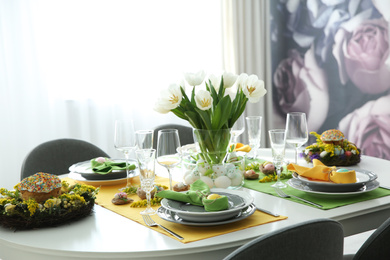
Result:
254,133
237,129
146,165
167,143
296,131
278,144
124,141
144,139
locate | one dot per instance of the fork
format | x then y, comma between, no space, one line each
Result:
284,195
150,222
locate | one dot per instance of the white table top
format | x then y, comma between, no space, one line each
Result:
105,234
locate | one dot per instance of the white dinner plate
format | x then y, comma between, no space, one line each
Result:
238,200
173,217
363,177
85,170
299,185
80,179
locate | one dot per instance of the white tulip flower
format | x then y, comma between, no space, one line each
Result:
216,81
203,100
241,79
195,79
229,79
253,88
169,99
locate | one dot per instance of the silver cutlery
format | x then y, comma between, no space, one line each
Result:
384,187
267,211
284,195
150,222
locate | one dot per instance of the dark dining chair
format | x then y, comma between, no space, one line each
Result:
376,246
314,239
57,156
185,133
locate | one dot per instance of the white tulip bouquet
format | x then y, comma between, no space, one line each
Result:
211,108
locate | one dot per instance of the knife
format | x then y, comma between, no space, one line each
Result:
268,212
384,187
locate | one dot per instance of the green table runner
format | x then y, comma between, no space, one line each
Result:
326,202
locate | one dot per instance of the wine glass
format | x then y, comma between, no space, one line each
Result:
254,133
146,164
144,139
167,143
124,141
237,129
296,131
278,144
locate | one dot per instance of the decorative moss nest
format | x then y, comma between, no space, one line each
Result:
74,202
331,152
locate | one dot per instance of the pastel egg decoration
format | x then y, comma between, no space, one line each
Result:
208,181
222,182
226,175
202,166
219,169
237,179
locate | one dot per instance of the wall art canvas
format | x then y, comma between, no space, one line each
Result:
330,59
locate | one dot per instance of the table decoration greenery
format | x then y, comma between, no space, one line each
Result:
76,201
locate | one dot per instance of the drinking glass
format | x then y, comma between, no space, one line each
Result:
124,141
254,133
146,164
296,131
167,143
144,139
278,144
237,129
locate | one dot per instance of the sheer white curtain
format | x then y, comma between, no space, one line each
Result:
70,68
247,50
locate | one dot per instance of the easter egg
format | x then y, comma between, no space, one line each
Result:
213,196
219,170
222,182
237,180
208,181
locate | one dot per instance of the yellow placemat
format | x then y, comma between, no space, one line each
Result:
190,233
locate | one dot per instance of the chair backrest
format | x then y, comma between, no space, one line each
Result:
315,239
185,133
57,156
377,245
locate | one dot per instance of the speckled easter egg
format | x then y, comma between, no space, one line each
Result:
219,170
202,166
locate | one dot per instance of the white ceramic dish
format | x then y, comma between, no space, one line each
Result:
299,185
80,179
173,217
363,177
238,200
85,170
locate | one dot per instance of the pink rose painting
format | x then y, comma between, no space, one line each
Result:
368,127
331,60
302,86
361,55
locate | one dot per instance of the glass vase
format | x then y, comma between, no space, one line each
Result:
212,145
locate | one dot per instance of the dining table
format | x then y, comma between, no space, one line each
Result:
106,234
